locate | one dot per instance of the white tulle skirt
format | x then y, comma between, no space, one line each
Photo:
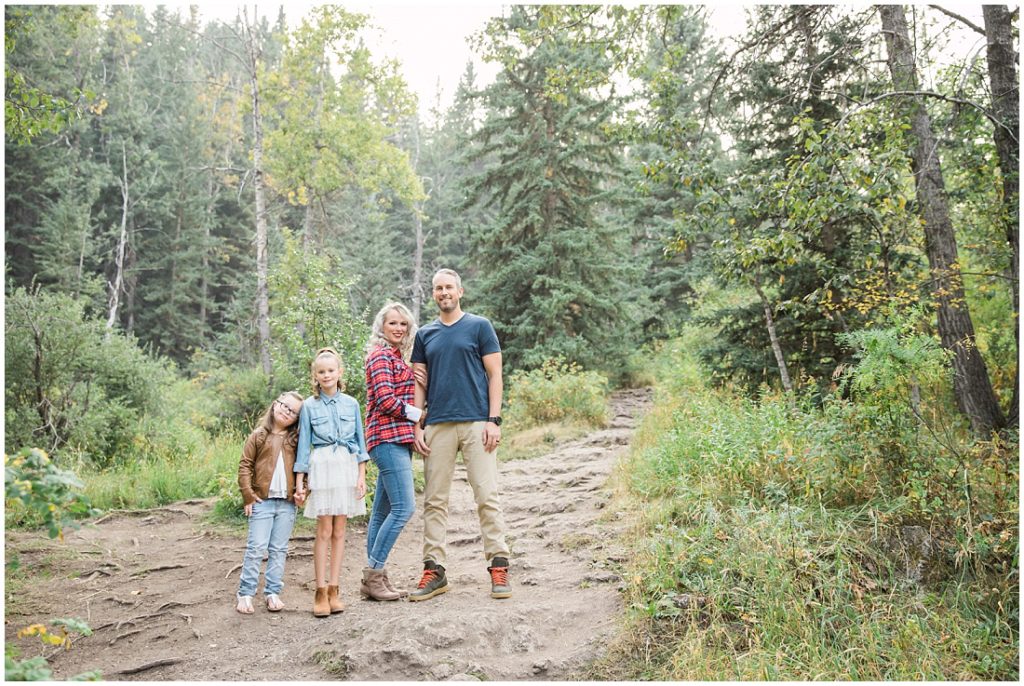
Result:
333,472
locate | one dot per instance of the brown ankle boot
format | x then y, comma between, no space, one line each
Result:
387,584
373,585
321,607
333,601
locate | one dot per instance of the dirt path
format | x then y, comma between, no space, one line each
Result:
159,587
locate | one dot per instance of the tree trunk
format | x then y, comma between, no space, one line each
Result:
204,279
1002,74
118,283
971,383
417,221
131,284
308,232
262,262
780,359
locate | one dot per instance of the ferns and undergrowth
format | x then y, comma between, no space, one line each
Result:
863,538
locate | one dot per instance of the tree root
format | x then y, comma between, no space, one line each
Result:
152,665
126,634
161,568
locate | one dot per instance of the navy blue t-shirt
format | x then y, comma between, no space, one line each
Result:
457,382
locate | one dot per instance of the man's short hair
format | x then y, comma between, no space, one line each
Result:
448,272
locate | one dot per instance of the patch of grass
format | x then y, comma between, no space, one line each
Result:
557,392
571,542
333,663
764,552
156,482
528,443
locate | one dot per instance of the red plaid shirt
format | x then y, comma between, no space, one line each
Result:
389,388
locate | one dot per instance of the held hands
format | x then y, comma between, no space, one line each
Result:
248,508
300,492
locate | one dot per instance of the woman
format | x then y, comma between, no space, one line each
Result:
390,416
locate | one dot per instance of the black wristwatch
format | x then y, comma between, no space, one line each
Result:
495,420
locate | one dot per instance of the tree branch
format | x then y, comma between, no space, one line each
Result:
963,20
931,94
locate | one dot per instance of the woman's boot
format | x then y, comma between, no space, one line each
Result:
387,584
333,601
373,585
321,607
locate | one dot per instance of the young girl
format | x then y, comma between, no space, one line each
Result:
266,479
332,450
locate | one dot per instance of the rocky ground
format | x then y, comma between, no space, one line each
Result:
158,588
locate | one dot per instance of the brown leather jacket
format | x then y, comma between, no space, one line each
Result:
259,458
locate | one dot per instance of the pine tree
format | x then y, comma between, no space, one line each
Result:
554,263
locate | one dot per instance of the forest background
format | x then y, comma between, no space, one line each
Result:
805,238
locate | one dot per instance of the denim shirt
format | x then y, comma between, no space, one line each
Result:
330,420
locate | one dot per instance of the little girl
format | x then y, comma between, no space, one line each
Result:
266,479
332,449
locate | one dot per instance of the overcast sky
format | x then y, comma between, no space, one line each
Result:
430,40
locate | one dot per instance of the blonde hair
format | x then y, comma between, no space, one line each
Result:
448,272
377,330
326,352
267,421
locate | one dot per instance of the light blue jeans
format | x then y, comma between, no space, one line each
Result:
394,500
270,527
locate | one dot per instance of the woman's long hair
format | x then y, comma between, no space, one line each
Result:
377,331
267,421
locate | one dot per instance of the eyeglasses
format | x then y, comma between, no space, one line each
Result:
287,410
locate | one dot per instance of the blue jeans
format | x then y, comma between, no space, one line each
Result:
393,502
270,527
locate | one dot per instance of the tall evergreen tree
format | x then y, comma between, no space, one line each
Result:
555,261
676,73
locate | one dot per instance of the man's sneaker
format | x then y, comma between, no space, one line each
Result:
433,582
499,578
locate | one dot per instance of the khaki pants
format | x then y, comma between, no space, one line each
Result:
445,440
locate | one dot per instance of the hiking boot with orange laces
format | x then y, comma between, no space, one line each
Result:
499,578
433,582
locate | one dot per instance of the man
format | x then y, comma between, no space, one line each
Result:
462,360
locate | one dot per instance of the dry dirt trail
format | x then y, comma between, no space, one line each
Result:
158,588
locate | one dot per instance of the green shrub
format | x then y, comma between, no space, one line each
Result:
165,479
37,668
73,388
309,311
37,493
233,398
766,542
557,392
229,506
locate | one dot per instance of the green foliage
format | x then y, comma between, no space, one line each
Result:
309,311
771,542
157,481
557,391
39,493
73,387
31,111
560,268
229,506
326,133
37,668
228,398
